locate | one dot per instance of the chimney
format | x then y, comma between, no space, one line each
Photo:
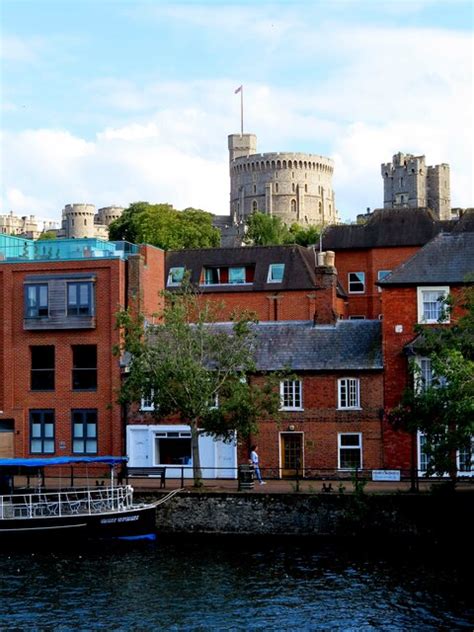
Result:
325,308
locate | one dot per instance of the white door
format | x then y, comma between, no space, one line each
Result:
139,448
226,460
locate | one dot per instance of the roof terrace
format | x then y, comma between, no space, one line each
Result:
19,249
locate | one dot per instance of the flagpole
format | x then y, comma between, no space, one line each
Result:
241,111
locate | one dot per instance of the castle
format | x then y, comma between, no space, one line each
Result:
407,181
78,221
293,186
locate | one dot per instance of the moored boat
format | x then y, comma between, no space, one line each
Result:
103,511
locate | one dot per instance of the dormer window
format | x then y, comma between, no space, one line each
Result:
175,276
228,275
275,272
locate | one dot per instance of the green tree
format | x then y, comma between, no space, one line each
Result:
48,234
164,226
197,371
442,407
270,230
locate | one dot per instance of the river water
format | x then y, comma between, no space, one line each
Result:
238,584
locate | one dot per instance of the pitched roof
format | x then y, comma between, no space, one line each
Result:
447,259
299,265
348,345
387,228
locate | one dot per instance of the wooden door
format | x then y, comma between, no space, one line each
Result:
291,447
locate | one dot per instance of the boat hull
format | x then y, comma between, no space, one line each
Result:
132,522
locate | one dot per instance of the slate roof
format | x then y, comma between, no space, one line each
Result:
447,259
349,345
387,228
299,266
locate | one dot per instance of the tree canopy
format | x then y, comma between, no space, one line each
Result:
270,230
194,370
439,402
164,226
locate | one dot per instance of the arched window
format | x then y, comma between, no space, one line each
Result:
293,206
306,188
276,187
293,187
255,188
254,206
320,208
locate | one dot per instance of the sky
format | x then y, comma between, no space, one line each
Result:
111,102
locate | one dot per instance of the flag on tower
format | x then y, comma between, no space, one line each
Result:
239,89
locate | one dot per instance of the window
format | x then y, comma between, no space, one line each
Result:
236,275
80,299
426,373
42,368
350,450
275,272
291,395
36,298
293,206
147,403
356,282
42,431
276,187
356,317
211,276
381,274
431,304
349,392
84,431
254,206
465,457
175,276
84,367
173,448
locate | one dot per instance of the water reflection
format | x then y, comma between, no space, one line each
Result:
234,585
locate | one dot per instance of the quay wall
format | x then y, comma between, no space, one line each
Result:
306,514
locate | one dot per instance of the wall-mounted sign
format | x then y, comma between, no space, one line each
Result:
385,475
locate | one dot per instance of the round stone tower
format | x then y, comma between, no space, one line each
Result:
78,221
293,186
108,214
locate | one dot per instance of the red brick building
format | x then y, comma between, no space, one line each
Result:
277,283
58,378
411,295
366,253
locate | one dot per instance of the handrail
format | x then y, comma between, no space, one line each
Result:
77,501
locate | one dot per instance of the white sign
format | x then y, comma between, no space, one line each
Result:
385,475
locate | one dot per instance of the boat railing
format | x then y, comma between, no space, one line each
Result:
78,501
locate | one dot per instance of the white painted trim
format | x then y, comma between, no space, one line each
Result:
419,298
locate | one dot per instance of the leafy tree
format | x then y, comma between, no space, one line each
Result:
164,226
48,234
443,408
187,364
270,230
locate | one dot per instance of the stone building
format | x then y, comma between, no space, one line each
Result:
408,182
25,226
80,221
293,186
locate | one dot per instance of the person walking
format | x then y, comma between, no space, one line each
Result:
255,462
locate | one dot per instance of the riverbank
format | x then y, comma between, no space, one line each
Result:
316,514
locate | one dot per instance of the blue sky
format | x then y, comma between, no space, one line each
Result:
111,102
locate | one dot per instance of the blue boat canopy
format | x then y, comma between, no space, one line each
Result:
62,460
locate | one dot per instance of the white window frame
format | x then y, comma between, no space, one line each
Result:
352,396
349,447
441,289
422,459
350,282
424,377
146,404
270,278
170,281
296,393
240,269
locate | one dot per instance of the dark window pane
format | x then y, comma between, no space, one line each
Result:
42,368
84,373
